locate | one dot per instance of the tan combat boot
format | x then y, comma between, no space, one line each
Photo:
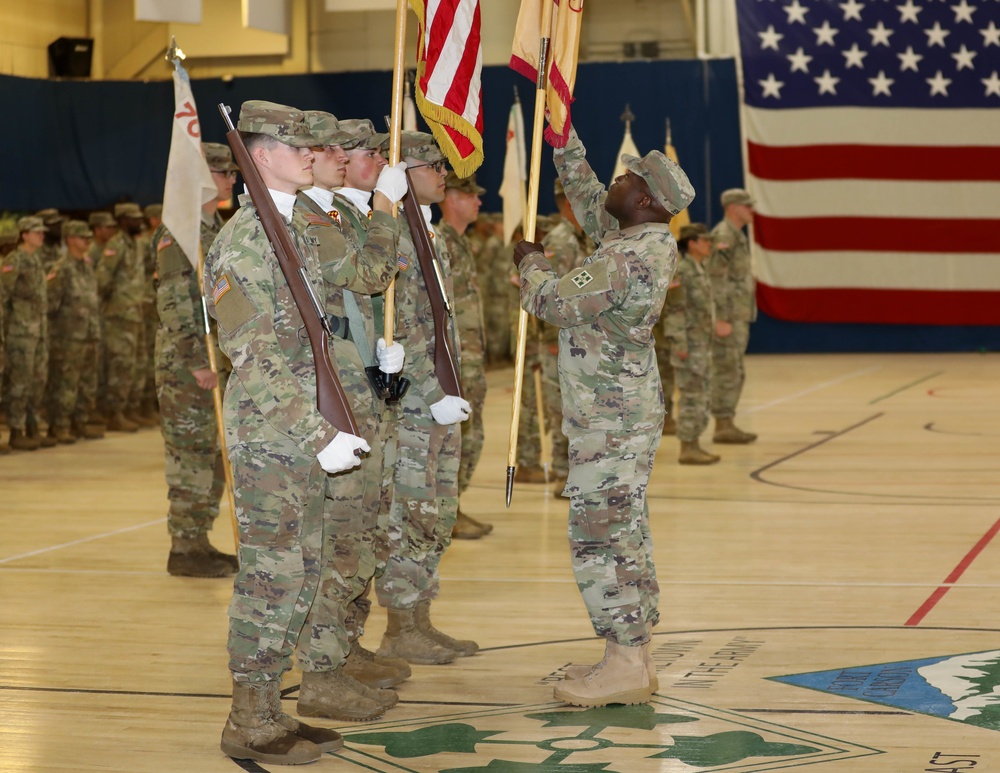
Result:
669,426
118,423
207,547
422,617
361,665
334,695
189,559
622,677
529,474
727,432
402,639
403,667
61,434
21,442
251,732
4,449
326,740
578,672
44,441
692,453
84,431
469,528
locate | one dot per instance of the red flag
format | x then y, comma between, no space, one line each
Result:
449,78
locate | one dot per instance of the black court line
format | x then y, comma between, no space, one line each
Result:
931,428
249,766
905,387
823,711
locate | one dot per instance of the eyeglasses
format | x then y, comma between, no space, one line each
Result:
437,166
227,175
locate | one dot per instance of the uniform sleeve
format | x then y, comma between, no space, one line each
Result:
583,190
367,271
107,267
245,306
675,319
55,288
180,312
468,300
719,272
579,297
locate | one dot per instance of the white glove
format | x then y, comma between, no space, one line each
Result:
339,454
392,182
450,410
390,358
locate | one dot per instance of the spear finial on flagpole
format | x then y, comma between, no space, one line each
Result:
628,116
173,52
517,95
670,140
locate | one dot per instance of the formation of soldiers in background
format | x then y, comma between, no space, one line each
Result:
78,321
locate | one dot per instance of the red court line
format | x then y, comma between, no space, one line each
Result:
956,573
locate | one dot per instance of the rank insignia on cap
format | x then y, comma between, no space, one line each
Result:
403,261
582,279
221,288
165,242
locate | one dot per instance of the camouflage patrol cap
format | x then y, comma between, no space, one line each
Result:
421,146
219,157
286,124
77,228
153,210
737,196
363,134
49,216
665,179
464,184
692,231
97,219
326,128
30,223
127,209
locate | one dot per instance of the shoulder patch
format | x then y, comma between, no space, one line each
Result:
403,261
88,260
7,268
581,278
675,282
588,280
109,251
232,307
50,276
722,245
165,242
221,288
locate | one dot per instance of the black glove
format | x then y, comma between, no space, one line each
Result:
523,248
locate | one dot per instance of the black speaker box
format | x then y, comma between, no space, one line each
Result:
70,57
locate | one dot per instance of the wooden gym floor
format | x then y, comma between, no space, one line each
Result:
830,600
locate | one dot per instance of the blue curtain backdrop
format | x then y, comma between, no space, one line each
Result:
88,145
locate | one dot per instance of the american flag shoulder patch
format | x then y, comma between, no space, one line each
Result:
50,276
165,242
582,278
221,288
402,261
7,269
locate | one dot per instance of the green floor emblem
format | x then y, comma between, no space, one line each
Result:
616,739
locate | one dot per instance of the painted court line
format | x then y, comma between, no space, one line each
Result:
814,388
81,541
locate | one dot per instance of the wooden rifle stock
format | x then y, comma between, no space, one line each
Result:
330,398
445,367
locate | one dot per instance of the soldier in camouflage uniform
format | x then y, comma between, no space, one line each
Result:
94,380
733,289
493,271
27,353
459,210
352,272
281,448
74,311
425,493
104,226
145,398
612,402
121,282
52,248
689,326
184,382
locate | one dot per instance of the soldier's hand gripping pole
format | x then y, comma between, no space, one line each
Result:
330,398
530,220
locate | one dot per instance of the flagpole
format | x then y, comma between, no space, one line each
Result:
530,220
395,130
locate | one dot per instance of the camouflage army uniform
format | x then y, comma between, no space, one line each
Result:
612,402
689,325
121,282
27,353
274,432
143,400
425,493
74,314
356,527
493,272
193,460
733,289
469,322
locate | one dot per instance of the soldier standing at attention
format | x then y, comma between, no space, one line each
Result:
459,209
146,396
734,292
612,402
120,281
27,335
492,268
425,493
282,449
104,226
184,384
52,248
351,274
74,312
689,327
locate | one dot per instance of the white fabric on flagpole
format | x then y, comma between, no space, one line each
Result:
189,183
627,148
514,173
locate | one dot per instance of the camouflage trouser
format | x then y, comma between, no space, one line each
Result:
496,328
728,372
194,472
424,506
665,365
87,394
139,369
473,434
694,377
279,507
529,443
25,376
121,339
68,365
354,540
611,547
552,400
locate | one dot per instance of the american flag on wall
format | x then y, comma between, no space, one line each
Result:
873,149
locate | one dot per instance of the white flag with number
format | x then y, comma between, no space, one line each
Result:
514,173
628,148
189,183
